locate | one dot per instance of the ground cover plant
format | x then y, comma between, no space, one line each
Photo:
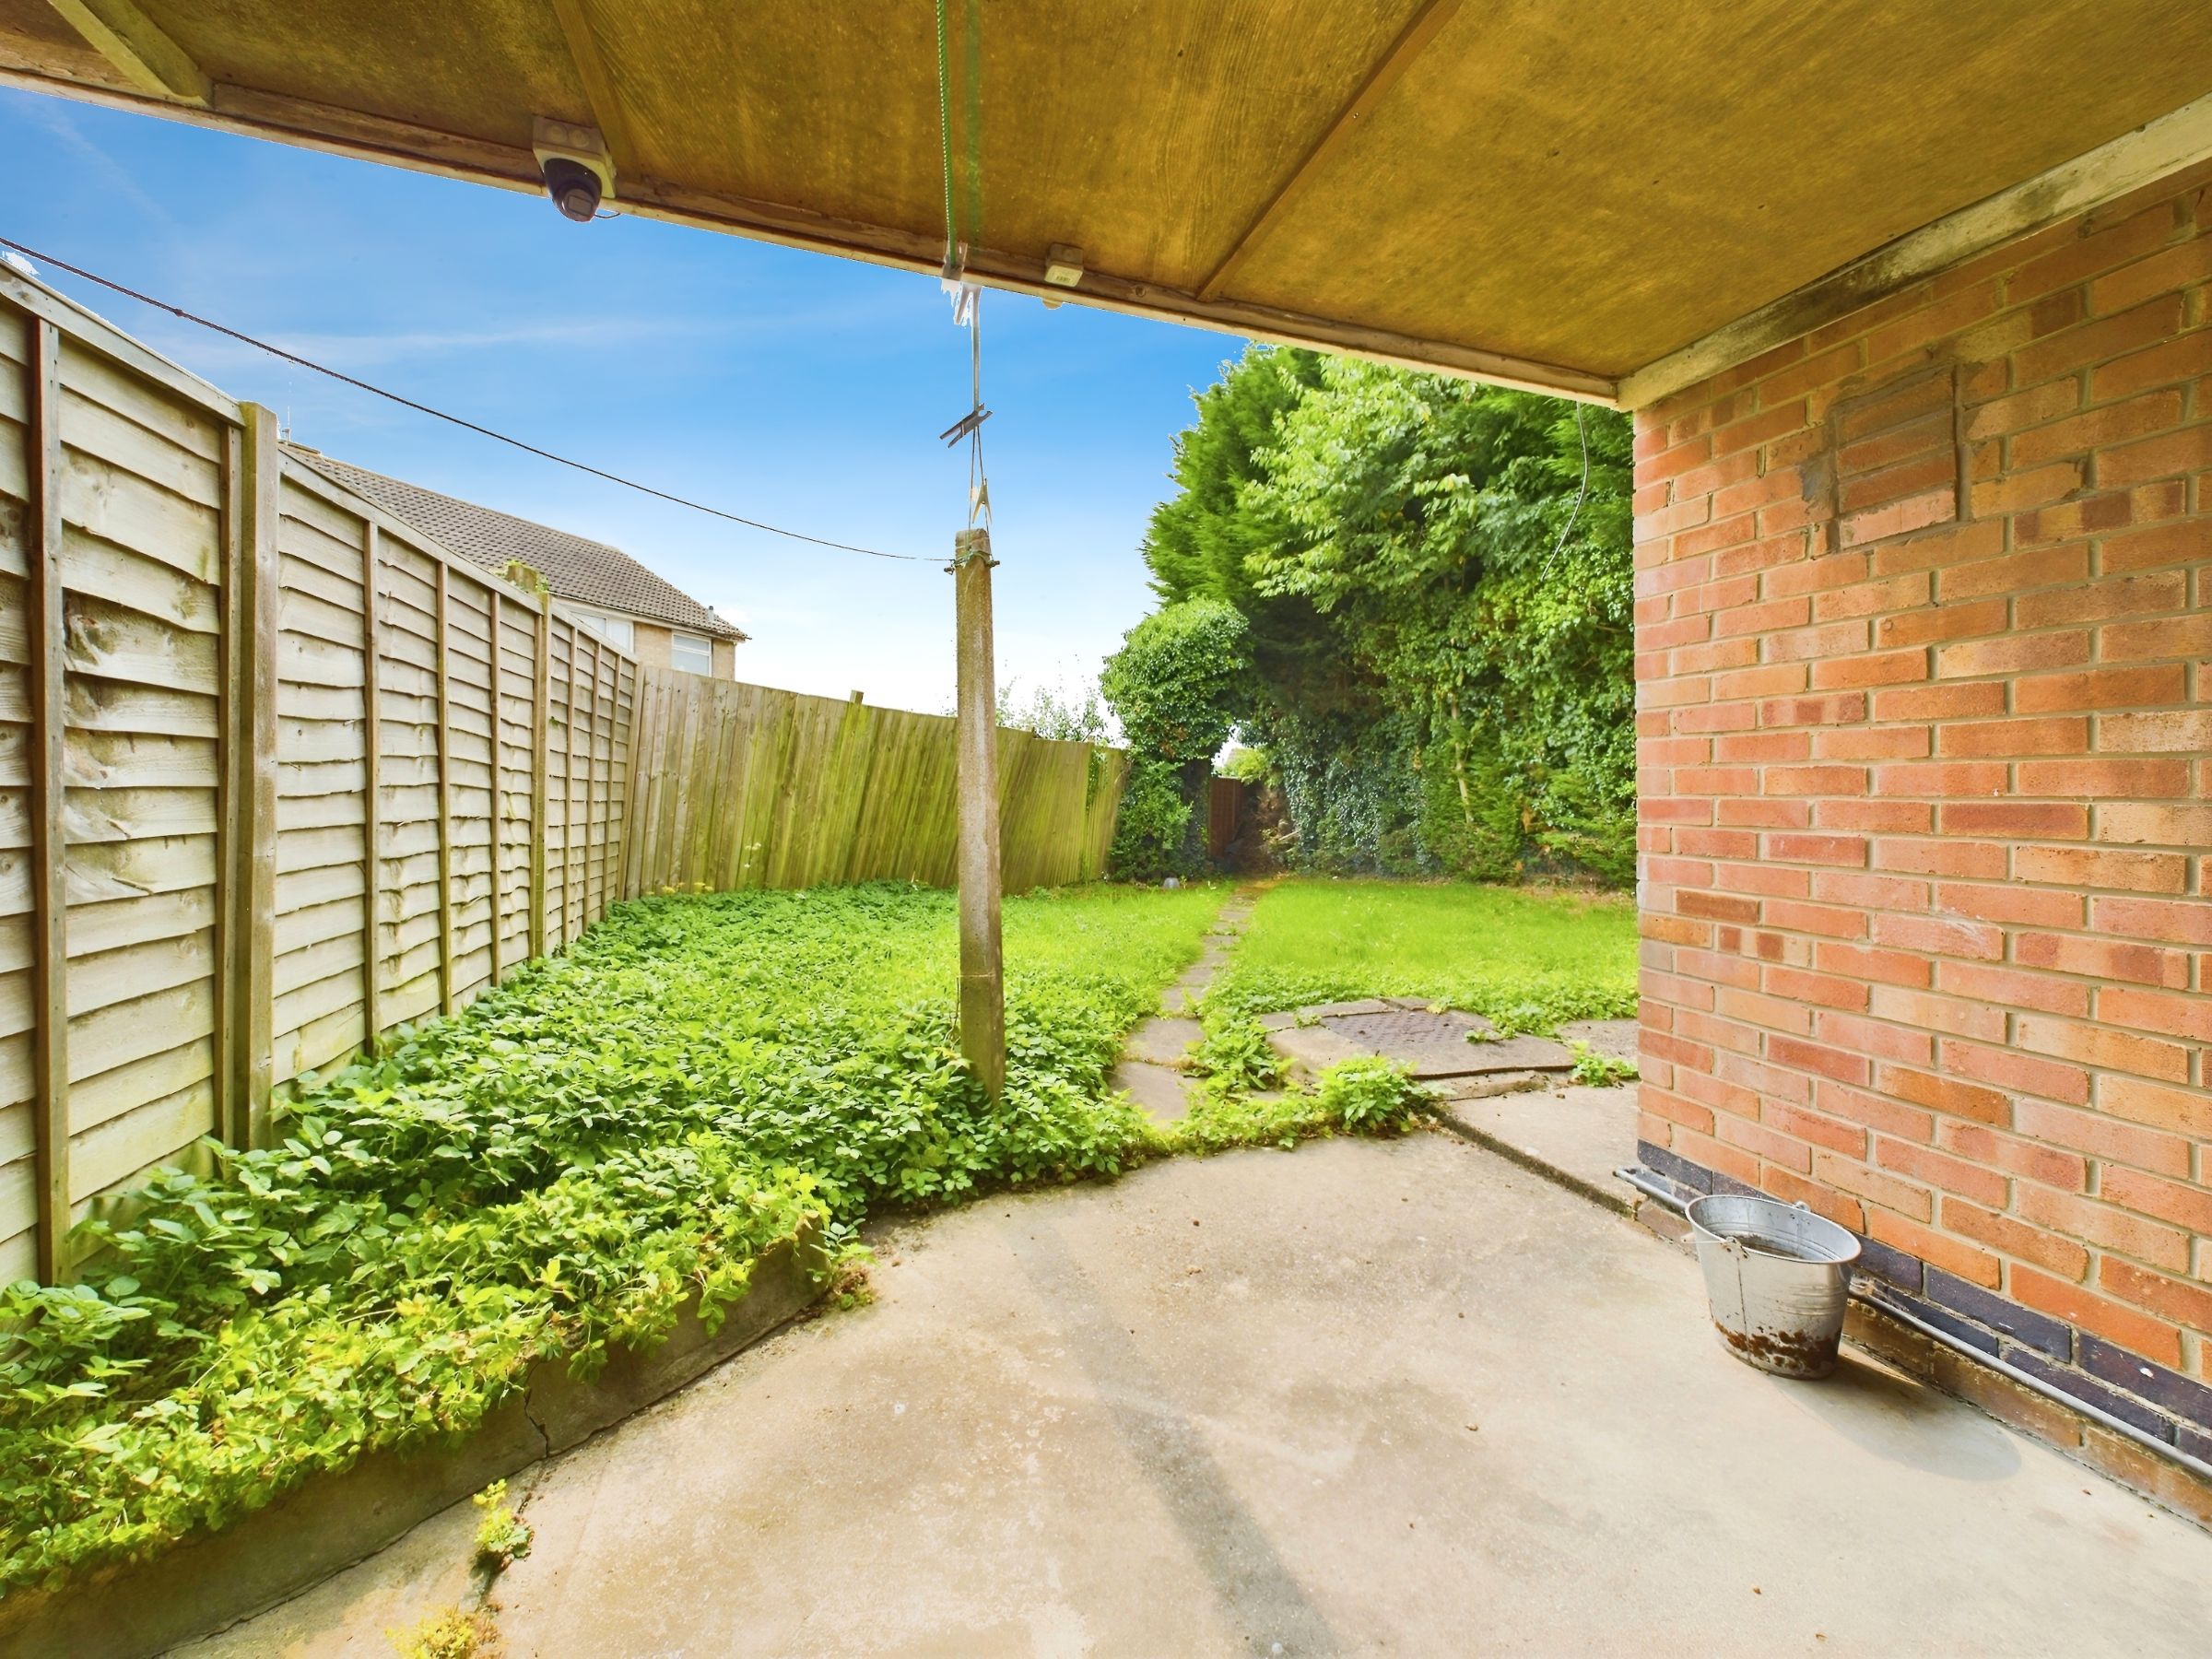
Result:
561,1168
1526,959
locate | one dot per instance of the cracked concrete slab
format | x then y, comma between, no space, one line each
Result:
1365,1004
1446,1044
1615,1038
1577,1135
1311,1050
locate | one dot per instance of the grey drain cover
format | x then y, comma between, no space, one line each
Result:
1406,1028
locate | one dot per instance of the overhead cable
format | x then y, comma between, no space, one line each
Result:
423,408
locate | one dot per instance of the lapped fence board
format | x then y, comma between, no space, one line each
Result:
744,786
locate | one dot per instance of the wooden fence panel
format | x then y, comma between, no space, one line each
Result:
742,786
279,773
116,526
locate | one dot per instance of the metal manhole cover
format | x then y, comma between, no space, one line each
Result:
1401,1027
1436,1045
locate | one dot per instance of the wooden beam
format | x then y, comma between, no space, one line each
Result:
373,824
609,114
35,297
983,964
424,149
446,999
252,825
2135,159
46,626
140,49
1426,24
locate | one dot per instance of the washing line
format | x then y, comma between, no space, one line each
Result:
467,425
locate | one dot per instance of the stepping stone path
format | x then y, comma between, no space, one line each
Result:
1152,1059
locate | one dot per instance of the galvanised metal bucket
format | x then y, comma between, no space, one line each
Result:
1776,1274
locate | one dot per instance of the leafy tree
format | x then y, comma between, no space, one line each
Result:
1436,579
1175,686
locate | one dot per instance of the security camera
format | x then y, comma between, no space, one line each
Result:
575,189
573,160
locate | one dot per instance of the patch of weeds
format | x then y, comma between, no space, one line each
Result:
849,1286
1361,1095
1233,1054
1600,1071
448,1633
502,1536
1370,1096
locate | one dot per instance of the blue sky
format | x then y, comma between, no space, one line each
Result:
792,387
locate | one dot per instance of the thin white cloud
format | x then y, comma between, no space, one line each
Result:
57,118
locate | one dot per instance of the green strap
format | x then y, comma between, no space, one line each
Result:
945,137
971,116
974,117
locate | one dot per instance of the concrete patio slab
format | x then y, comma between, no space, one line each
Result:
1162,1091
1448,1043
1615,1038
1161,1041
1312,1049
1367,1398
1576,1135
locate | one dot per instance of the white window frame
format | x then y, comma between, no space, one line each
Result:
699,647
618,631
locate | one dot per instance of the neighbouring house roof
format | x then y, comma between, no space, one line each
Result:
576,568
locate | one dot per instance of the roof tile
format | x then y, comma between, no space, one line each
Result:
576,568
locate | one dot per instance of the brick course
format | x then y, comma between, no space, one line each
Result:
1924,674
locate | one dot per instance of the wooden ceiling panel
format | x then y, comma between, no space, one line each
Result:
1144,134
474,70
1599,184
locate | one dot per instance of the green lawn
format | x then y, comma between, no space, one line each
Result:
1526,959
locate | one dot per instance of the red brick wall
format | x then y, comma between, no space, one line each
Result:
1925,664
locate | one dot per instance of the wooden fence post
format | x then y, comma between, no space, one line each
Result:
372,825
568,790
49,890
446,1000
541,760
982,988
590,777
498,796
250,825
